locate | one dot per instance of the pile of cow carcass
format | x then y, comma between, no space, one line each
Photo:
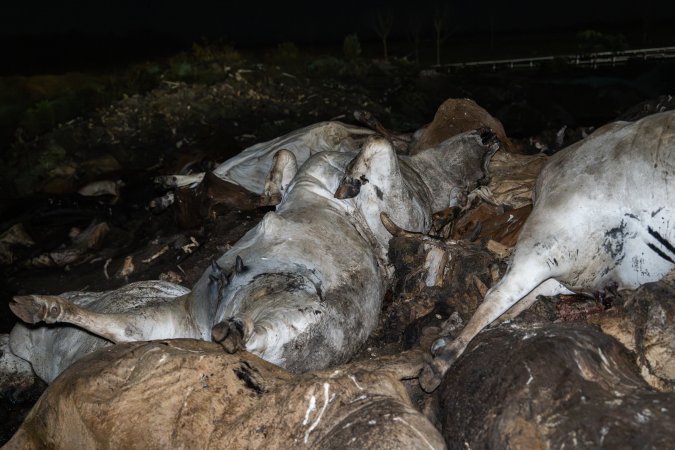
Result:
432,217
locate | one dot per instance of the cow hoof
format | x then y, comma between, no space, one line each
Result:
229,334
438,345
270,199
430,377
445,355
37,308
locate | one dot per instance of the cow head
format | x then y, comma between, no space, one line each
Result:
376,163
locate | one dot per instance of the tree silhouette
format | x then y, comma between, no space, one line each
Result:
384,21
441,29
415,35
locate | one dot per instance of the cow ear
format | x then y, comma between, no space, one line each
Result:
239,266
284,168
376,163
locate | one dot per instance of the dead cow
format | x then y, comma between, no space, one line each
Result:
191,394
603,217
303,288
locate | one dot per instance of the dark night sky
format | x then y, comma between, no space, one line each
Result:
250,21
46,35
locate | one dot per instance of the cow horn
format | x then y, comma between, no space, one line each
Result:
215,267
239,265
394,229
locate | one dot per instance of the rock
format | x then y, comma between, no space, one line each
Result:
98,166
453,117
15,235
555,386
184,393
80,249
108,188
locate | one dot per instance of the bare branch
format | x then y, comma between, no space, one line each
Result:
441,28
384,22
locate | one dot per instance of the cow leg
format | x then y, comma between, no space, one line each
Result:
284,168
548,288
518,282
114,327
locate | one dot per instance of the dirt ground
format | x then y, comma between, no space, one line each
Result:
183,126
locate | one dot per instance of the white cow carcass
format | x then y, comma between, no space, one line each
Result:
302,289
604,216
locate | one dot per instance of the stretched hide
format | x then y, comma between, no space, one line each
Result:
249,168
190,394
